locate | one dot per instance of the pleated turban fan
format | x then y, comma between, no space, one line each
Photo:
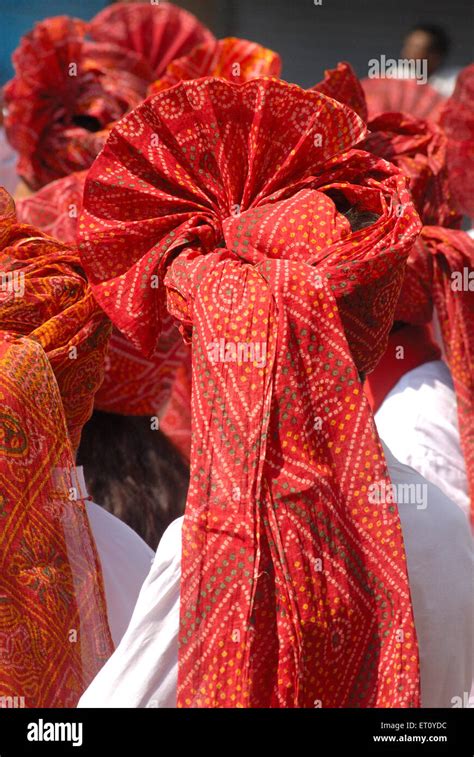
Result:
53,623
74,79
135,384
390,95
419,147
342,84
457,120
65,93
225,206
157,32
440,276
231,58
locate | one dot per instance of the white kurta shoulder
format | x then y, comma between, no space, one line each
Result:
418,421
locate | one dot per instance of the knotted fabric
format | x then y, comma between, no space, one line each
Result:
54,635
219,202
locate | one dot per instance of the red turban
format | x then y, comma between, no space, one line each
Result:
55,207
387,95
235,59
157,32
418,148
457,120
134,384
342,84
65,93
214,201
440,275
54,634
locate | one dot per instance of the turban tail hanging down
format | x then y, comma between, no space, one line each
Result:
440,276
294,588
54,635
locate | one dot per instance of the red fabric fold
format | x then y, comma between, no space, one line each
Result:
294,587
440,275
417,347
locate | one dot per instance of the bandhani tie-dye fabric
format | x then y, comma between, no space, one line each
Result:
134,384
237,60
388,95
457,120
139,384
176,417
418,148
294,590
342,84
65,94
158,32
440,275
54,635
54,306
55,208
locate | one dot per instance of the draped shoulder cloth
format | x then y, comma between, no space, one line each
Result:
228,206
54,635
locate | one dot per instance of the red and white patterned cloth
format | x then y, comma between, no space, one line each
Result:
214,202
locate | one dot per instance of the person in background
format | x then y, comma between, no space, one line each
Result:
431,43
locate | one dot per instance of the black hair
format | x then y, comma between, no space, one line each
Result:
133,471
441,41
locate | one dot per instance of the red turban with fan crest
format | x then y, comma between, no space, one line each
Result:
157,32
225,205
65,93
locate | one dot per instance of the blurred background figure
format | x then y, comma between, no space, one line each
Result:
432,43
308,37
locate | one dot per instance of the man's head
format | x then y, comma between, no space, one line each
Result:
427,42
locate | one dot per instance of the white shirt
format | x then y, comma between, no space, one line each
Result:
125,560
142,672
444,80
418,421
